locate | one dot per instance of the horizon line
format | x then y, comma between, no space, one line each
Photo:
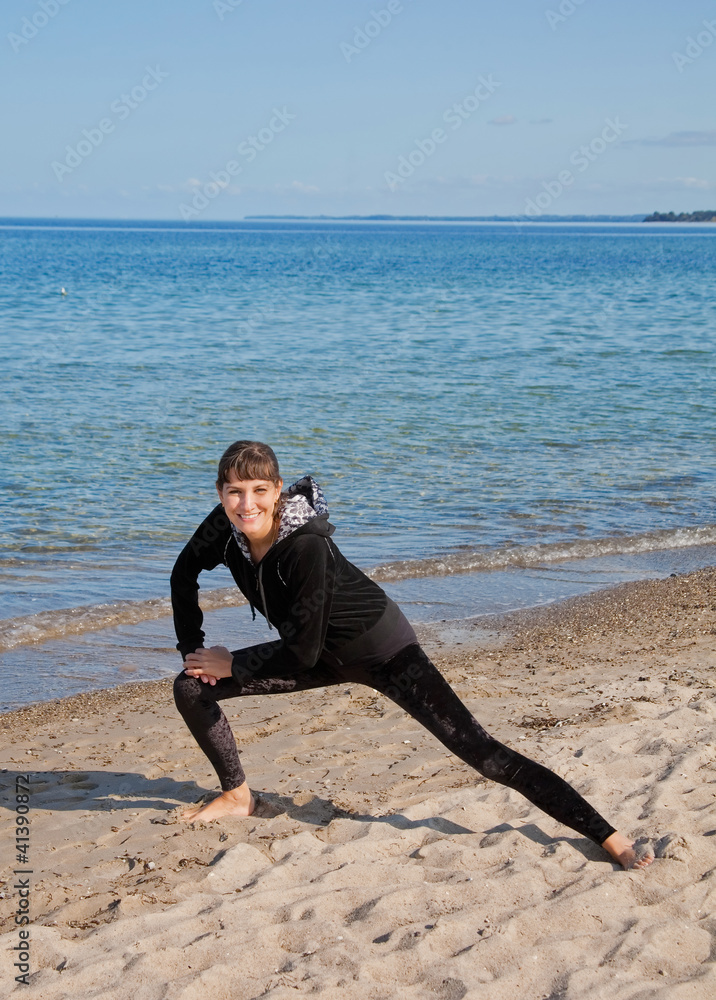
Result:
188,224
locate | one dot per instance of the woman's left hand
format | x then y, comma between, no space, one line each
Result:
209,664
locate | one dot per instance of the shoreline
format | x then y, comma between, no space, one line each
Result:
624,602
149,645
376,856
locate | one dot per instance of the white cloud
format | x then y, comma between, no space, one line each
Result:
303,188
694,182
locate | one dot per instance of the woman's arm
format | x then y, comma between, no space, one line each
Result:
204,551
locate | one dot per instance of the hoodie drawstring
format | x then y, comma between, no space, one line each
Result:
228,542
263,595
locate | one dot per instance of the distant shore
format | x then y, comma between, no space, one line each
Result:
704,216
446,218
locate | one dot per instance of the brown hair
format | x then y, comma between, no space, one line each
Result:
248,460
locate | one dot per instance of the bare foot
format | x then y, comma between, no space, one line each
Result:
628,854
237,802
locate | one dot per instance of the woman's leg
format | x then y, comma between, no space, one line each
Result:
198,703
412,681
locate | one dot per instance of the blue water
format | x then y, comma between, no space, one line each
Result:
456,389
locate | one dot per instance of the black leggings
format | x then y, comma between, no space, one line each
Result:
412,681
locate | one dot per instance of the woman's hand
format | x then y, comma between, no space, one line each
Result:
209,665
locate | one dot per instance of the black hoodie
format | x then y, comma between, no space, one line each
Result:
324,608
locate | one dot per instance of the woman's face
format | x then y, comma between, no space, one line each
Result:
249,505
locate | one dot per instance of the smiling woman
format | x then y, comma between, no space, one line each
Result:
249,488
335,626
252,507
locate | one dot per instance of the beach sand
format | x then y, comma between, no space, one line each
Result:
380,866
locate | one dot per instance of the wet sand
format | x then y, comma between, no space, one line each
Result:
379,865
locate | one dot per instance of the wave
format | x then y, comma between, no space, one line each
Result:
524,556
59,623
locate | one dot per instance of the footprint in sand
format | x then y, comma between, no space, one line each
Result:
673,846
78,780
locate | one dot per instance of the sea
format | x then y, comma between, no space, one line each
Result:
501,415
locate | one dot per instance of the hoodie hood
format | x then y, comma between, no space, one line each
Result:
302,501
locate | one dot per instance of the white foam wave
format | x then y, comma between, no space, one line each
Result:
524,556
93,617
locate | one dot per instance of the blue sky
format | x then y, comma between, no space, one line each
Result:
138,109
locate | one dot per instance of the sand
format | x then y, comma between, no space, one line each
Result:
380,866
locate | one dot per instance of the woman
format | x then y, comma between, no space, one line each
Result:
334,626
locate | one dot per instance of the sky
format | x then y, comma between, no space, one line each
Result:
220,109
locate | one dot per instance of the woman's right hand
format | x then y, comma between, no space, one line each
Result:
191,672
209,665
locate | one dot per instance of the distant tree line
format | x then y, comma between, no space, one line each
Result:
704,216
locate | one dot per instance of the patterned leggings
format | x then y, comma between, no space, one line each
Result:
414,683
